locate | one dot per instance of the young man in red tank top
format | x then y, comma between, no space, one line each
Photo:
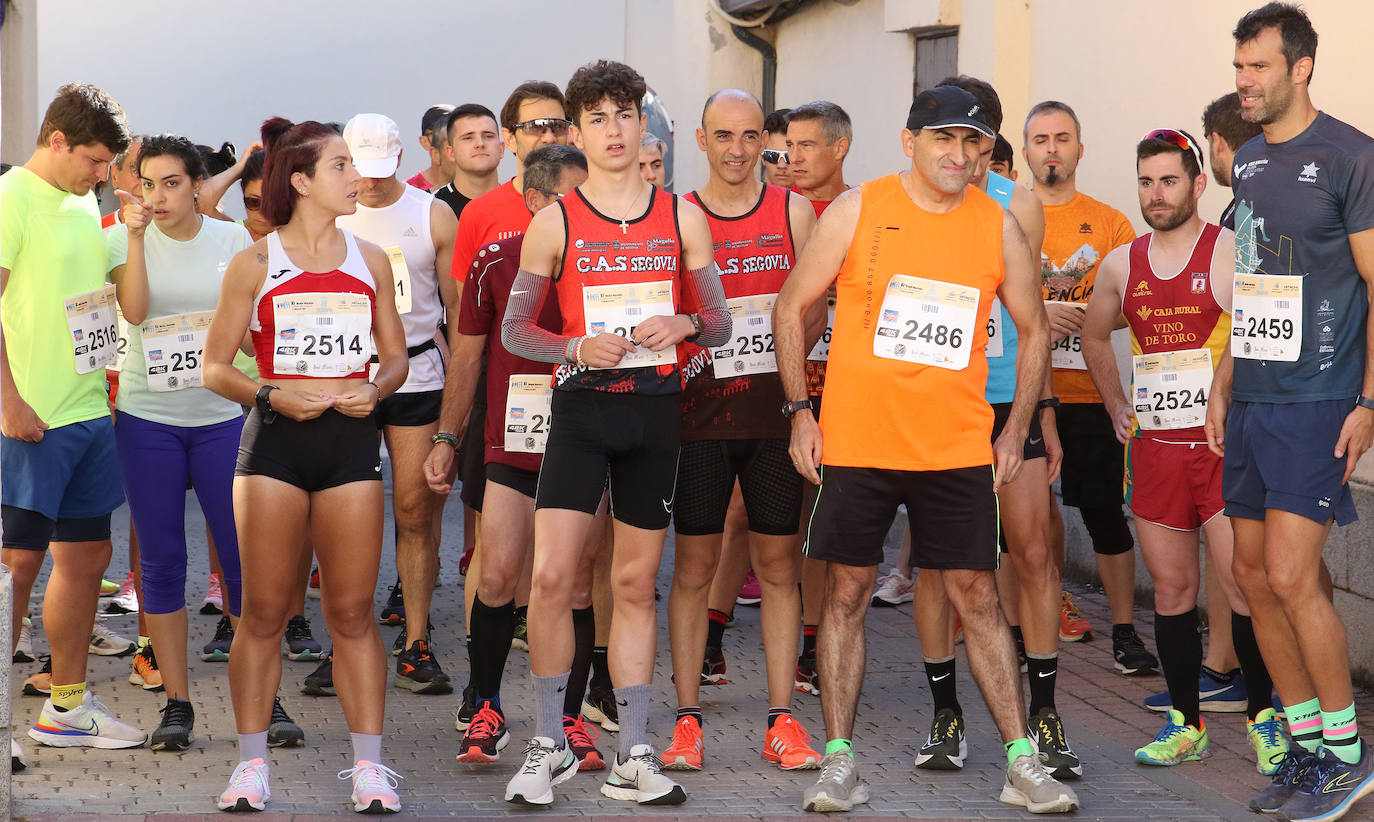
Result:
1172,289
619,256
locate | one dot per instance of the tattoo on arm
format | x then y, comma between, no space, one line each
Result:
262,258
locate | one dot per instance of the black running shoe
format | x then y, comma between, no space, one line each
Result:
217,649
1330,788
283,732
599,707
1285,781
301,645
394,613
174,732
1131,657
1047,734
945,748
418,671
320,682
467,710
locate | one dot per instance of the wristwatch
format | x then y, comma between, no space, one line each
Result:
789,409
1364,402
696,324
264,403
1048,402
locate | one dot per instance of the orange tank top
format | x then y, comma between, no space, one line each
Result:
904,388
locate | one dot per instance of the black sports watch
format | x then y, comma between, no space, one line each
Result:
1364,402
264,403
1048,402
789,409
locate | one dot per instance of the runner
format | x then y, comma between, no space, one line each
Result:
879,453
1292,407
58,451
731,431
1225,128
416,232
1003,159
615,406
775,168
1079,231
1172,289
308,461
473,147
432,136
651,151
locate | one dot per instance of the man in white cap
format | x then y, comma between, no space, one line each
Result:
417,233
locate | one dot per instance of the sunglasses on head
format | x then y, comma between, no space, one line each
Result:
539,125
775,157
1178,138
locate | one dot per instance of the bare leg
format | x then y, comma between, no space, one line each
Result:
69,605
991,655
774,559
841,649
414,505
1273,632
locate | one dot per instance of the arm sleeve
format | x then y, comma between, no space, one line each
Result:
710,296
520,333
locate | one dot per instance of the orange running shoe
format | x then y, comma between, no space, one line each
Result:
1072,627
788,744
580,736
688,748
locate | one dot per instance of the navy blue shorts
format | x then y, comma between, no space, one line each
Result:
72,473
1281,456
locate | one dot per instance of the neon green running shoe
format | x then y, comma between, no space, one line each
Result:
1175,743
108,589
1268,739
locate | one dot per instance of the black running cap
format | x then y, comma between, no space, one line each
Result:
945,106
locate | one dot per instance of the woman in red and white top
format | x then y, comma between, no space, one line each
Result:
308,461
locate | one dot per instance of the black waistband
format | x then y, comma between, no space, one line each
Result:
415,350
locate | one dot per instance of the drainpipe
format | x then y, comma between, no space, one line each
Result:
770,63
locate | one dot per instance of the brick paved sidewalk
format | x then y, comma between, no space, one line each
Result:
1104,716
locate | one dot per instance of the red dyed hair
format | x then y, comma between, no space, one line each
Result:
289,148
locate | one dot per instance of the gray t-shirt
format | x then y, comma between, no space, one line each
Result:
1296,205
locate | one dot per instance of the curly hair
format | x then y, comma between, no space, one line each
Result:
597,81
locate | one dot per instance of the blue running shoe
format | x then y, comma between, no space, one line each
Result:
1330,788
1217,693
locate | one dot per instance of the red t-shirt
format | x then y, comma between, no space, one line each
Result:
495,216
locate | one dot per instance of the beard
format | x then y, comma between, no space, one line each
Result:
1173,218
1053,176
1273,105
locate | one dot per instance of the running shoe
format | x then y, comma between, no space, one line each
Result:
312,588
108,588
145,673
713,667
688,747
520,640
467,710
23,649
320,682
399,644
750,593
1268,739
374,787
1072,626
394,612
214,597
18,761
838,788
788,744
105,642
418,671
599,706
580,735
217,649
283,732
1175,743
1330,788
895,588
1217,693
125,600
247,789
945,748
1284,782
640,779
807,680
486,736
1030,786
545,766
1131,657
40,684
173,733
465,561
1047,735
301,645
89,725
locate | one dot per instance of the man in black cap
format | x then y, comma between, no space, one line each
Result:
911,316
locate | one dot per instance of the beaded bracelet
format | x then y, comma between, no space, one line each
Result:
577,352
446,438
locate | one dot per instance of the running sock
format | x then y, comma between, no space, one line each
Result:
489,645
253,746
548,705
584,637
67,697
1259,687
1305,723
1019,747
1043,670
839,746
774,713
694,711
633,702
809,640
144,640
367,748
1340,734
715,630
1180,653
601,668
940,675
1120,629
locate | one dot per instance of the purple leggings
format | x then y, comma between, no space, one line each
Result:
156,461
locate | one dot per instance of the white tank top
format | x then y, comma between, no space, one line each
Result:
405,225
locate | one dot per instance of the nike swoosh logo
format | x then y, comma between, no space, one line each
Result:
1034,440
514,293
1044,674
938,678
562,689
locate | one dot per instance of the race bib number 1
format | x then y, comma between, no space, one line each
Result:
172,350
401,274
529,408
927,322
750,350
94,328
820,352
1266,317
618,309
322,335
1171,388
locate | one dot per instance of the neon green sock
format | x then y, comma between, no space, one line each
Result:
1019,747
836,745
1305,724
67,697
1341,734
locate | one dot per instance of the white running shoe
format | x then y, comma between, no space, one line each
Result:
23,650
640,779
125,601
374,787
247,789
89,726
544,767
1030,785
894,589
214,597
105,642
17,760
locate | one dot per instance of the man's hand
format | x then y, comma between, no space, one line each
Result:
1215,425
1123,422
1054,449
1007,455
1065,318
441,466
1356,436
135,212
605,350
359,402
21,422
300,406
660,332
805,448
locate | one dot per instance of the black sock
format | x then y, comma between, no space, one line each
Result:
715,630
601,668
1043,671
521,611
1259,687
492,629
940,676
774,713
1180,654
809,640
694,711
584,635
1120,629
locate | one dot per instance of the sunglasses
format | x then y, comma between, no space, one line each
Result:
252,203
774,157
1178,138
539,125
548,193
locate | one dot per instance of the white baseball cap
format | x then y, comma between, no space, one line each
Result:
375,143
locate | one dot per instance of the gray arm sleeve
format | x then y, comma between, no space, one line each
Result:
715,317
520,333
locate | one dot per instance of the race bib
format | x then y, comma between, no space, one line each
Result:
995,329
1068,352
94,328
321,335
1171,388
618,309
401,274
820,352
122,347
1266,317
750,350
927,322
529,408
172,349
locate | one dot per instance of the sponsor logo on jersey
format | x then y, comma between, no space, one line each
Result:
1309,173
